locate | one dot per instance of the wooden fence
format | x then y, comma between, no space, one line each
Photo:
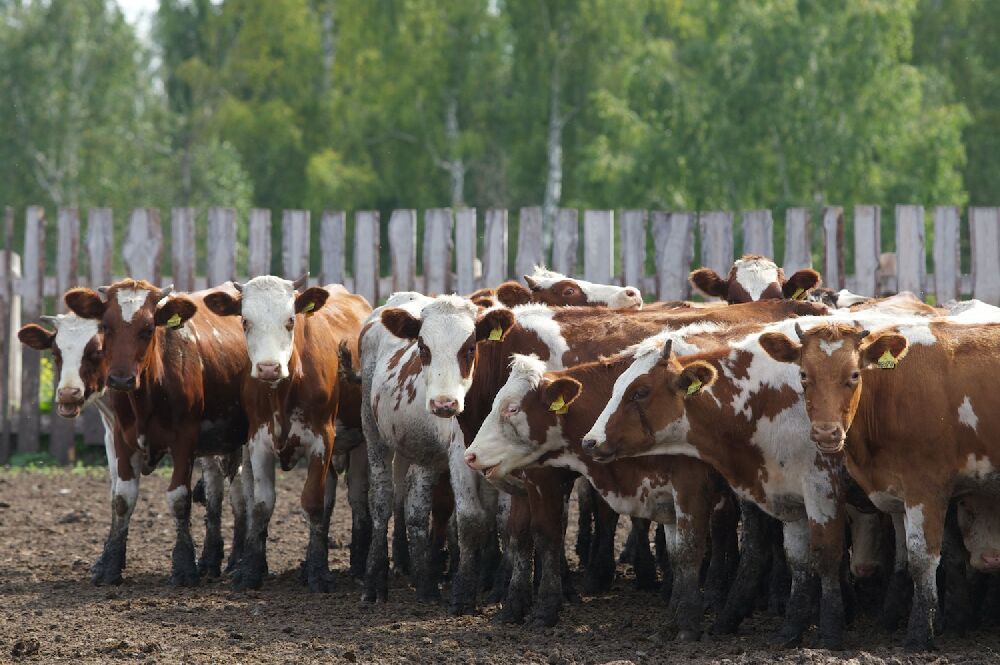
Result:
451,261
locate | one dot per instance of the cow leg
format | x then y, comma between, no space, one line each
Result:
957,614
924,524
253,566
548,502
642,561
827,550
124,472
799,608
722,555
517,600
585,519
751,568
419,494
900,588
490,559
473,530
361,519
185,572
400,546
693,513
779,580
240,500
380,504
318,497
503,572
600,573
210,563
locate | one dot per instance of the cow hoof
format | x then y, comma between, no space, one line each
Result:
725,624
543,620
429,596
785,640
184,578
210,569
688,635
462,609
832,643
105,577
507,616
321,582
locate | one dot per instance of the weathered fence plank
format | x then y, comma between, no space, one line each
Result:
62,437
867,248
633,233
366,255
143,245
716,241
221,246
294,243
259,243
31,308
673,236
465,250
833,247
984,235
566,241
758,233
438,246
182,248
798,240
8,313
332,247
530,247
495,248
100,250
599,245
947,254
911,263
403,249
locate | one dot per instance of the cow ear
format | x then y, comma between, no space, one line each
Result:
494,324
513,294
562,392
85,303
401,323
36,337
311,300
531,282
708,282
884,351
780,347
801,283
224,304
175,312
695,377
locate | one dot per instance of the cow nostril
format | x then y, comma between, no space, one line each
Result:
470,458
631,293
589,444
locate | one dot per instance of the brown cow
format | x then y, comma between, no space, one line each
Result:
754,277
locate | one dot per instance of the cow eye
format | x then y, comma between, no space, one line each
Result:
425,353
642,392
803,378
855,377
511,410
246,325
290,323
470,352
570,291
146,334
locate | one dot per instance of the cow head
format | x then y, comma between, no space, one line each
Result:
525,421
128,321
979,522
268,306
77,351
831,360
754,278
866,528
447,334
648,402
553,288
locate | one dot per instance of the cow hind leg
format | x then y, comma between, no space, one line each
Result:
253,565
473,531
210,563
361,519
185,572
750,570
600,572
124,494
318,497
419,491
924,524
380,503
585,520
240,498
799,609
642,561
400,542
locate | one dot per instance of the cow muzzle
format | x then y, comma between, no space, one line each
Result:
828,436
628,299
863,571
443,407
69,402
599,451
268,371
989,561
126,382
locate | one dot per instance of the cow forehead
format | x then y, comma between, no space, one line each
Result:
130,301
268,296
526,373
755,275
74,333
448,320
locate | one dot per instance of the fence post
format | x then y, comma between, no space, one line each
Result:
7,328
294,243
465,250
259,243
100,250
530,250
403,249
598,246
31,306
438,246
911,262
495,248
565,241
984,235
62,436
867,248
758,233
947,254
673,235
332,247
366,255
182,248
221,246
833,247
143,245
633,234
798,240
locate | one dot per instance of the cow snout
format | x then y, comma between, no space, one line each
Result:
828,436
69,394
865,570
589,444
444,407
990,560
122,381
470,459
268,371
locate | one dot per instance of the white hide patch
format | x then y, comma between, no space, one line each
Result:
268,302
977,467
310,441
131,301
829,347
539,319
966,415
72,336
755,275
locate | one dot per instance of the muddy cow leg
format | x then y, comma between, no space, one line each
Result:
799,609
380,504
600,573
548,499
124,471
240,501
318,497
253,565
924,523
694,515
900,587
419,491
400,544
361,519
722,556
585,519
473,530
501,578
751,568
957,611
519,552
826,543
184,571
779,580
643,562
210,563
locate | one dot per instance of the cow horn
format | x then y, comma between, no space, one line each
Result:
237,286
103,290
864,331
166,291
48,318
667,346
301,281
798,331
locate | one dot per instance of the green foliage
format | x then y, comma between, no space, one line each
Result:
47,383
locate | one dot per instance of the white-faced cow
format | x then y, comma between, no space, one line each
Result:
753,278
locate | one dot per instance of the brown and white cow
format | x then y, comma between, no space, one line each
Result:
174,369
291,397
754,277
552,288
911,410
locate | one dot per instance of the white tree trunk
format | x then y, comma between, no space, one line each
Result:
455,165
553,147
328,43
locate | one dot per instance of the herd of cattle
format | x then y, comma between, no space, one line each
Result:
794,446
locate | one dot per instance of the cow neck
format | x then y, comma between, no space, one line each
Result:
144,398
488,376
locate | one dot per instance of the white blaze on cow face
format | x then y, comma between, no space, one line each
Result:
130,301
447,330
756,275
268,309
73,334
615,297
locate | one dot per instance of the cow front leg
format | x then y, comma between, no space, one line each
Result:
419,495
501,578
749,571
380,504
600,572
643,562
124,475
400,544
548,503
361,519
210,563
924,524
185,572
799,608
318,498
693,513
723,555
585,519
826,542
253,566
473,530
240,500
899,590
518,553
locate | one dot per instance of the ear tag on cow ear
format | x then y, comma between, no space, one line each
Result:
694,387
886,361
559,406
174,321
308,309
799,294
496,335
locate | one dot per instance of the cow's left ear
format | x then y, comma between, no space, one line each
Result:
311,300
36,337
780,347
175,312
801,283
494,324
224,304
513,294
884,351
562,392
695,377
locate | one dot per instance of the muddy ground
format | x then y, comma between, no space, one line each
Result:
52,527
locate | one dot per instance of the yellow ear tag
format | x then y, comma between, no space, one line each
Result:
886,361
694,387
174,321
559,406
799,294
496,334
308,309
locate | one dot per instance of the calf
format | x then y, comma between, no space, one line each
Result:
291,397
174,371
753,278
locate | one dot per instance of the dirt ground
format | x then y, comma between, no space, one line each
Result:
52,527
